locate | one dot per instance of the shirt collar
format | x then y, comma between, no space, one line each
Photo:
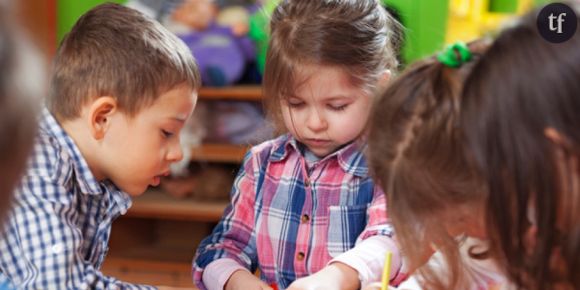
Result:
350,157
87,182
122,199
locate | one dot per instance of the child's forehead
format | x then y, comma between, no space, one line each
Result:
176,103
309,70
320,81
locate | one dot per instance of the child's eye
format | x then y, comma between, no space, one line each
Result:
338,107
295,104
166,134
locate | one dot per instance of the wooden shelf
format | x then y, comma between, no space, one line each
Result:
150,272
235,93
154,252
118,261
158,205
224,153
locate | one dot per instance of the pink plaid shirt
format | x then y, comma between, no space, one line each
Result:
289,220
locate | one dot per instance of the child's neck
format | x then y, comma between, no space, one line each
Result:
78,131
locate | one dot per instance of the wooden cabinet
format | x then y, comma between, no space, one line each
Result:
155,241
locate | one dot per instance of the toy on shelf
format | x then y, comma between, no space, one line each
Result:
238,123
470,19
156,9
259,30
216,37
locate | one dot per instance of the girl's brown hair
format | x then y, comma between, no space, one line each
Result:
416,156
523,86
358,36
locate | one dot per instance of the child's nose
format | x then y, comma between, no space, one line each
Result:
316,122
175,152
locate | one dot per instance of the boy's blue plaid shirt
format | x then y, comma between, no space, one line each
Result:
57,235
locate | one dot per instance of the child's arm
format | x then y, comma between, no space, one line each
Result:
42,242
232,241
244,280
336,276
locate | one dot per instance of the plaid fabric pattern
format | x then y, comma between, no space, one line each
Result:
57,233
5,284
288,219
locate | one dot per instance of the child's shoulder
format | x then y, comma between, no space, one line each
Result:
50,160
47,156
264,150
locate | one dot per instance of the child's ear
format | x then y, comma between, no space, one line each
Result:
100,113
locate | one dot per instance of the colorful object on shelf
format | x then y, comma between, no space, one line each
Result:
237,123
429,25
259,31
470,19
157,9
221,48
221,56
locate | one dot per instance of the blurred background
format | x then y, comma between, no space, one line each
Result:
155,242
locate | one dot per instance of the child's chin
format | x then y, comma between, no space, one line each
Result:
136,190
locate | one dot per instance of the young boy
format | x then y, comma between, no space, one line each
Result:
122,88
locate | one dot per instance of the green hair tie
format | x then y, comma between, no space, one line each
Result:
455,55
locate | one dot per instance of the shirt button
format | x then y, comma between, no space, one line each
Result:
300,256
307,183
305,218
57,248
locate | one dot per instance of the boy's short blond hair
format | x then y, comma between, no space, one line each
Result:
113,50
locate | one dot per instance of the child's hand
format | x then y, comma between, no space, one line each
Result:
244,280
334,276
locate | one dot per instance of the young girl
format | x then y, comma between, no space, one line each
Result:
521,116
416,153
304,210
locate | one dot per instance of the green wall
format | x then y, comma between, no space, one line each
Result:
425,25
68,11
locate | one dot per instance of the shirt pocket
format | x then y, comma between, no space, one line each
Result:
345,224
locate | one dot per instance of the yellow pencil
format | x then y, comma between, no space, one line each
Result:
386,272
